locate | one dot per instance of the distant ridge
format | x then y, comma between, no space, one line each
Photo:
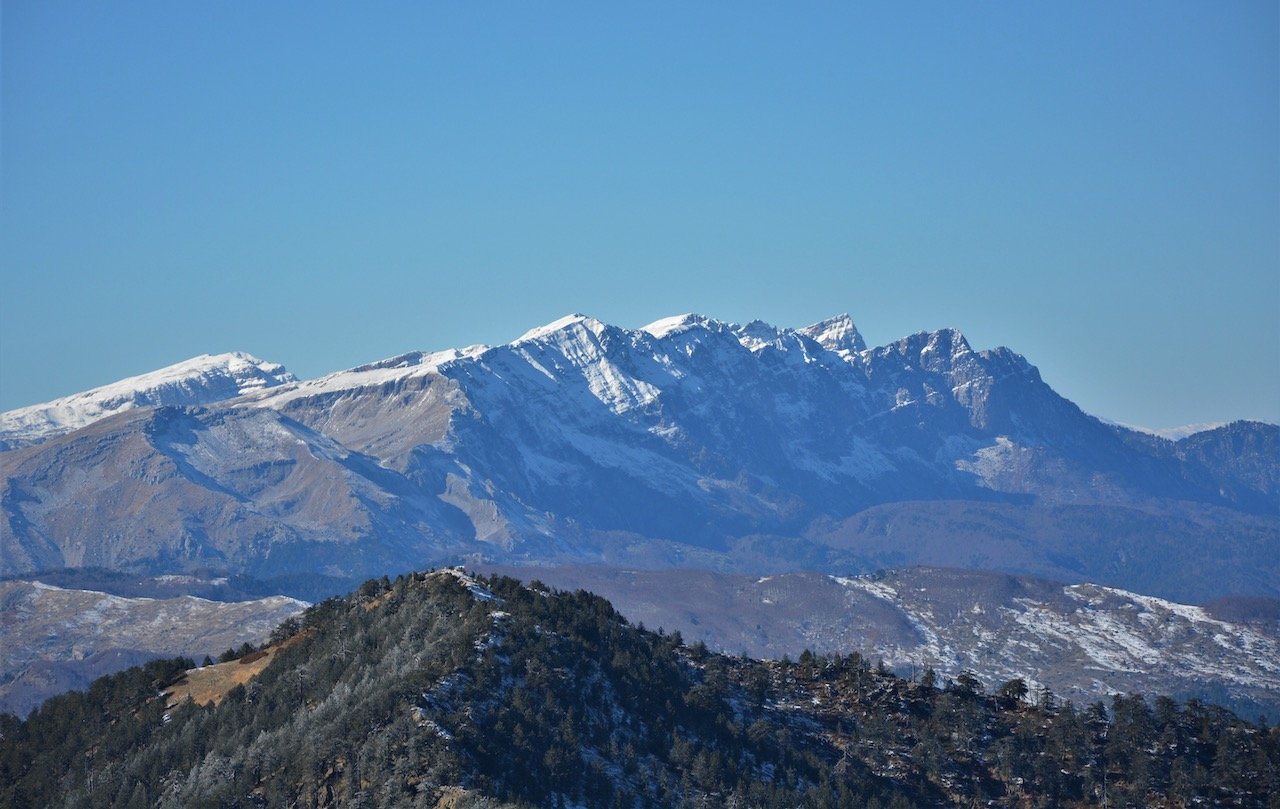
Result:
200,380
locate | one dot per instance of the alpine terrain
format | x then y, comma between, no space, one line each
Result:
718,464
689,442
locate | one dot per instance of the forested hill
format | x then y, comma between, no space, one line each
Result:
446,690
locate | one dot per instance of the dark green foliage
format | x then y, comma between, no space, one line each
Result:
41,756
246,648
1012,692
409,691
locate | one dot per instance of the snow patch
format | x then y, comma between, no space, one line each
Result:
667,326
478,591
564,323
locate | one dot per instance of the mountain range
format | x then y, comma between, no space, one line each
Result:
690,442
769,459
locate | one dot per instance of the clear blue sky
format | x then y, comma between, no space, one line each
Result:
1095,185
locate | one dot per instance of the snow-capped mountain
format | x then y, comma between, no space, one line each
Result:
199,380
688,441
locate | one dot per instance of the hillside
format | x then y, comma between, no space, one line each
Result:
54,639
1084,641
450,690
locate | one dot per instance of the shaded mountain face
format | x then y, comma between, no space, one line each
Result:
1180,551
1083,641
450,690
690,441
1240,456
240,489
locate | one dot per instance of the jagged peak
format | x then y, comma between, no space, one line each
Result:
950,340
757,334
835,334
1009,358
760,328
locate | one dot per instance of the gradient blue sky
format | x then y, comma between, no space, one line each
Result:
1096,185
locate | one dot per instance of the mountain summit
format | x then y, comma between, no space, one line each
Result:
835,334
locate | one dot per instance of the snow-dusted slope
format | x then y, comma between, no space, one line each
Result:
691,417
682,440
1083,641
1104,636
199,380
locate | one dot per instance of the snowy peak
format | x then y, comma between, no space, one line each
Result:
937,351
668,326
836,334
757,335
577,338
200,380
569,324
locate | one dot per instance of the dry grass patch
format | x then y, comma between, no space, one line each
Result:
210,684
